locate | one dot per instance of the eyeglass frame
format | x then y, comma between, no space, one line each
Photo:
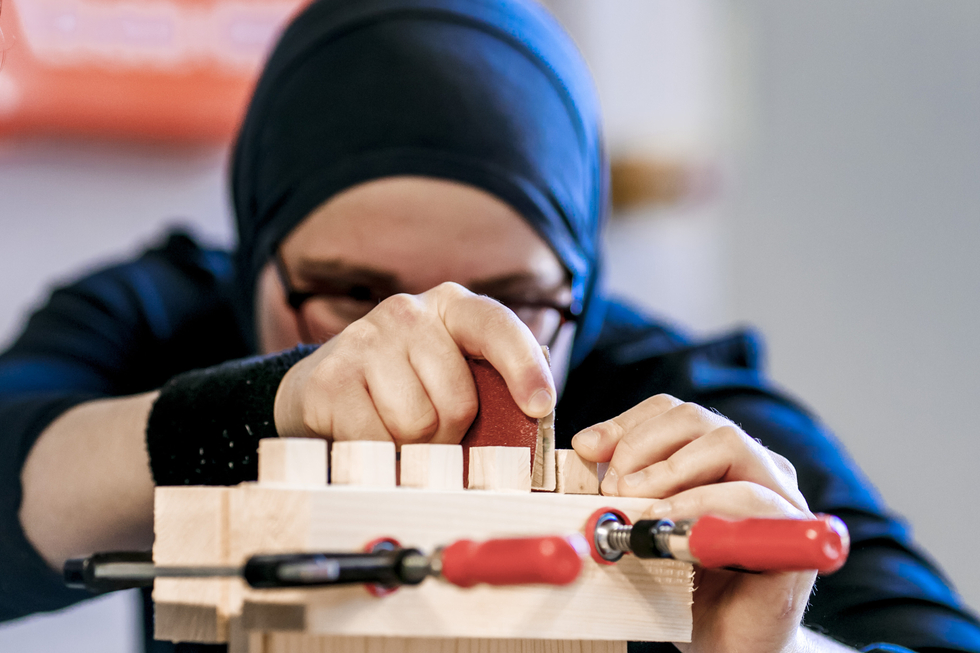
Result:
567,314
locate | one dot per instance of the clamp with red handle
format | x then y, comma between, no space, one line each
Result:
382,567
712,542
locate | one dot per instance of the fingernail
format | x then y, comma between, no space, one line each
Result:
610,484
541,403
659,510
634,479
587,439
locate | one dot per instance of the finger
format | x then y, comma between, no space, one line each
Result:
598,442
724,454
657,438
399,397
736,500
350,414
449,384
487,329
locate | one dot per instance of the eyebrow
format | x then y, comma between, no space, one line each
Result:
515,283
338,270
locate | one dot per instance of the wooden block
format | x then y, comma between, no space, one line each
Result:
298,643
364,463
293,461
500,468
191,528
433,466
635,600
574,474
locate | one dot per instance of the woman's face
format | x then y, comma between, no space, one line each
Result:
409,234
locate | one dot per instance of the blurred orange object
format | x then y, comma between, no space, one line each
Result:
152,70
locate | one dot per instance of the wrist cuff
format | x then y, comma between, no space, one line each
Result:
205,426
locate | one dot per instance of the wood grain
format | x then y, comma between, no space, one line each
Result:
575,475
191,528
293,461
432,466
363,462
297,643
632,600
500,468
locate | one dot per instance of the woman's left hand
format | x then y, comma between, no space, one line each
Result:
697,462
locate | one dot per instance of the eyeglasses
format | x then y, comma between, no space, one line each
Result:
325,312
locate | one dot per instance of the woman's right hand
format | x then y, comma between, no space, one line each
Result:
400,373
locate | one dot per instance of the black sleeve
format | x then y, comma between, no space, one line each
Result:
120,331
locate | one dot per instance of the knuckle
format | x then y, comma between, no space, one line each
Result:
784,466
671,467
499,316
732,437
449,290
403,308
419,427
359,335
690,411
754,494
610,430
460,412
665,400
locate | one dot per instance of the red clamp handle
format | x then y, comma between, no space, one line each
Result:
771,544
549,560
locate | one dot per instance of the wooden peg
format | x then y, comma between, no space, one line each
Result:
500,468
299,462
575,475
433,466
363,462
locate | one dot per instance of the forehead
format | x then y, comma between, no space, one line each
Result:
421,231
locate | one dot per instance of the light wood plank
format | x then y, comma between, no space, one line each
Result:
298,643
633,600
363,463
191,528
293,461
432,466
500,468
575,475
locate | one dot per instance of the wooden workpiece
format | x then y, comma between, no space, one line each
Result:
191,528
298,643
432,466
639,600
500,468
293,461
575,475
363,463
290,510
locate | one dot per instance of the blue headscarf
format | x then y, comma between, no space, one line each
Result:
489,93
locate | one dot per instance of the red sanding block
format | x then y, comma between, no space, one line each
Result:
500,423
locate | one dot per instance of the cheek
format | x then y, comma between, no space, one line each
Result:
275,321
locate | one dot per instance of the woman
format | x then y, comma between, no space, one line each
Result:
419,180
